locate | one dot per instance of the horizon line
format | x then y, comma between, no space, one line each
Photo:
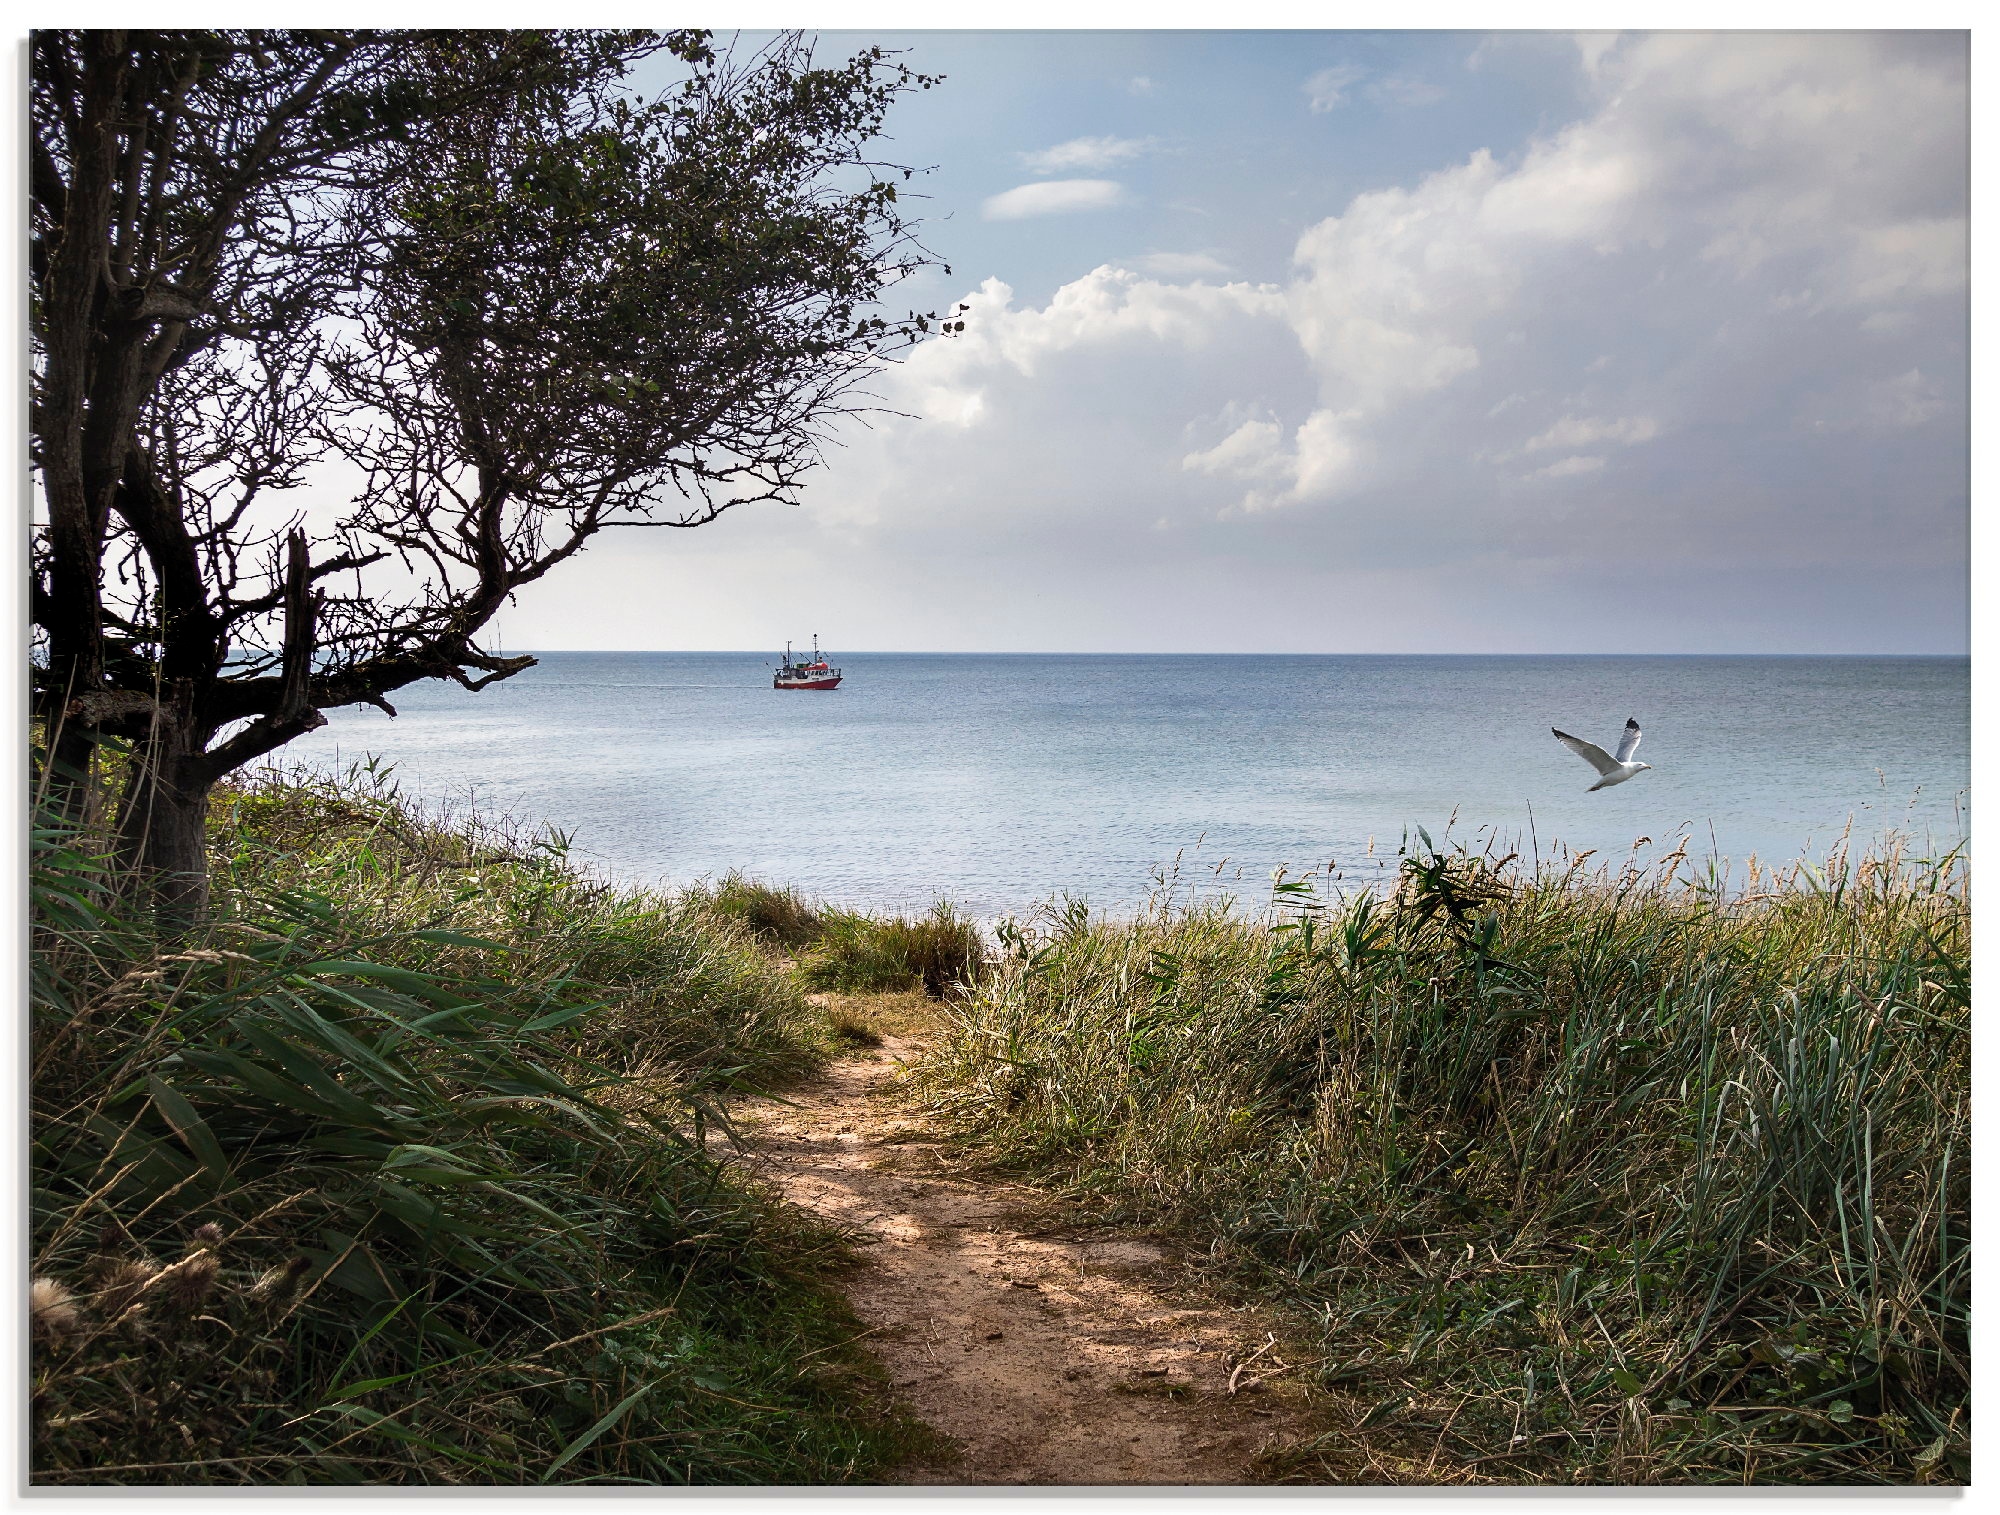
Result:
935,652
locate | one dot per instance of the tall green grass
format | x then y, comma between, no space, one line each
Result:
1574,1178
938,952
396,1173
850,951
778,916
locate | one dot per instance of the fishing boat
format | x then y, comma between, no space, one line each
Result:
805,673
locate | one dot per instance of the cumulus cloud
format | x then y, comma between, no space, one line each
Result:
1055,197
1689,221
1251,450
1087,153
1732,206
1763,234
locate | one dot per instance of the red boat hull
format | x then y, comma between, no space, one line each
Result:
831,683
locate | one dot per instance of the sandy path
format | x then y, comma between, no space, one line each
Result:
1043,1355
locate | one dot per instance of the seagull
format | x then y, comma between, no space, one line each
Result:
1616,770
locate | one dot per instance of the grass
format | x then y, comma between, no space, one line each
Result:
848,951
400,1172
859,954
396,1174
867,1019
777,916
1570,1178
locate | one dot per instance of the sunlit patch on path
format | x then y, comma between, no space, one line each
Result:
1045,1355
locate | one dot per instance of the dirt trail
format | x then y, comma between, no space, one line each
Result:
1044,1355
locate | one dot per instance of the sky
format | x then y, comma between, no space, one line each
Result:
1396,342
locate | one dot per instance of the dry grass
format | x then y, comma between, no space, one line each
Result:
868,1019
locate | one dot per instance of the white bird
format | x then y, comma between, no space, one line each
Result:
1615,770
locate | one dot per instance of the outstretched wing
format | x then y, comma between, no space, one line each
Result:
1590,752
1628,743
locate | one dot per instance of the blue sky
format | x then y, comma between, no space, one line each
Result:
1365,341
1220,150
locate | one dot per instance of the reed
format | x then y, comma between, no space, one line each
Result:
1595,1177
396,1173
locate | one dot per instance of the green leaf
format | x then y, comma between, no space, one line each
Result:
560,1017
457,939
611,1418
408,980
189,1127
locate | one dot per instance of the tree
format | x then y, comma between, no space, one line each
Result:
510,301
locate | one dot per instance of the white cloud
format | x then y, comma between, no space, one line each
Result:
1332,88
1329,455
1710,167
1053,198
1250,451
1087,153
1139,84
1751,244
1327,90
1568,468
1172,265
1403,90
1426,314
1591,431
1877,407
1108,306
1907,400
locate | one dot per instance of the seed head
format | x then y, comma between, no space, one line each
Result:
51,1310
208,1235
279,1283
187,1284
124,1282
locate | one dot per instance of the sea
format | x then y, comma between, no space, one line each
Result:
1005,782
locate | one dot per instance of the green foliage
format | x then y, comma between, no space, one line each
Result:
877,954
779,917
357,1188
1608,1178
675,984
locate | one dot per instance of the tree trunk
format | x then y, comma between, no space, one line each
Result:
163,823
71,782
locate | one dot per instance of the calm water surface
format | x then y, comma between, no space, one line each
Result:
1000,780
